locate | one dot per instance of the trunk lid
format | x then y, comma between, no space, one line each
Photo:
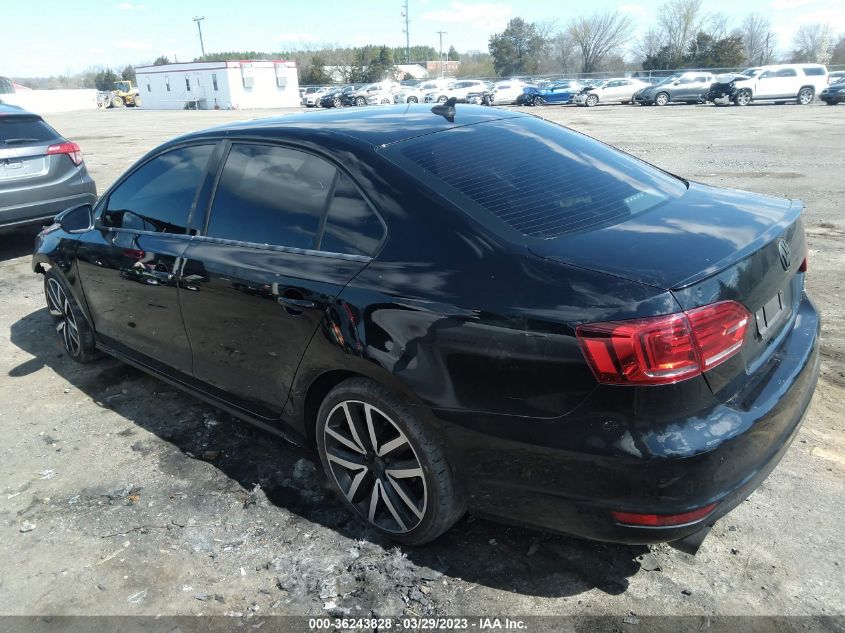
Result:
709,245
681,241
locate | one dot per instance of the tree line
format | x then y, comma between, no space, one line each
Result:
684,35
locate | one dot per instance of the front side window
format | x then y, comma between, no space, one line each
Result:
551,182
158,195
271,195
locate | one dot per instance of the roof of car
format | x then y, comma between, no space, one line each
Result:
7,109
374,126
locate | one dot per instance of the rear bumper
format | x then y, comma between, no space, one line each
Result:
721,454
34,204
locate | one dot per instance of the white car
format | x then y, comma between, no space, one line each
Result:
360,97
616,90
780,83
416,94
459,89
312,99
382,97
507,92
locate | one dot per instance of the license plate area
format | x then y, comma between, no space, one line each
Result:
18,168
774,313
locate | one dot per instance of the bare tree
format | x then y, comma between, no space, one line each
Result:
812,43
648,45
758,40
716,25
598,35
564,56
679,22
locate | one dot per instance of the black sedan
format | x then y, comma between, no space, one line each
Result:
558,335
834,93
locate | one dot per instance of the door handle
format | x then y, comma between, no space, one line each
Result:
296,304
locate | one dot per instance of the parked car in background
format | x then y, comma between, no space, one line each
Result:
308,90
834,93
335,98
383,97
557,92
458,89
359,97
799,83
312,100
416,94
689,87
616,90
481,95
836,76
41,172
484,311
507,92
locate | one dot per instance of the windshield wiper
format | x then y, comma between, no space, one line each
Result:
18,141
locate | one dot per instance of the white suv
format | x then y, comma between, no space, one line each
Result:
783,82
459,89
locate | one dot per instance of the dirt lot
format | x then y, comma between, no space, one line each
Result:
120,495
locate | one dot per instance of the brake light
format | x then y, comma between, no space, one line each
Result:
658,520
664,349
69,148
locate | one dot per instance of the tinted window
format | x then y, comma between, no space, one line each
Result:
158,195
19,130
810,71
351,225
271,195
787,72
550,182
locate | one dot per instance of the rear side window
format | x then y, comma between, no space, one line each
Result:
158,195
271,195
352,227
550,182
813,71
786,72
18,130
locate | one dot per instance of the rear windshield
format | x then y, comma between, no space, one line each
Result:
536,177
18,130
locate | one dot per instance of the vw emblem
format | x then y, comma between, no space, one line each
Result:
783,250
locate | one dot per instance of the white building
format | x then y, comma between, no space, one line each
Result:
223,85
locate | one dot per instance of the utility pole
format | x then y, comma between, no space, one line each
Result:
199,28
407,31
441,33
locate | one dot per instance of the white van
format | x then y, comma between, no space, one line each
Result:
780,83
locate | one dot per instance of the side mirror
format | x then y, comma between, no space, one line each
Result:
677,83
76,219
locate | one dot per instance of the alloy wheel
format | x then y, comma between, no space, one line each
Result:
60,308
805,96
743,98
592,100
662,99
375,467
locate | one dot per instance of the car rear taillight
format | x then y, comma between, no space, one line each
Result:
660,520
69,148
803,267
665,349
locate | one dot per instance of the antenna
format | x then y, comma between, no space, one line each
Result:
199,28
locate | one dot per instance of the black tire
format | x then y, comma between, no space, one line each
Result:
75,334
806,96
442,99
661,99
413,100
360,101
436,498
591,100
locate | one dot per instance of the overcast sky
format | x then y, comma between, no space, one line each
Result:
43,37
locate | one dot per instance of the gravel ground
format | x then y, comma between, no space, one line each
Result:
120,495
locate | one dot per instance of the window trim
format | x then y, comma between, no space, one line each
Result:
318,238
